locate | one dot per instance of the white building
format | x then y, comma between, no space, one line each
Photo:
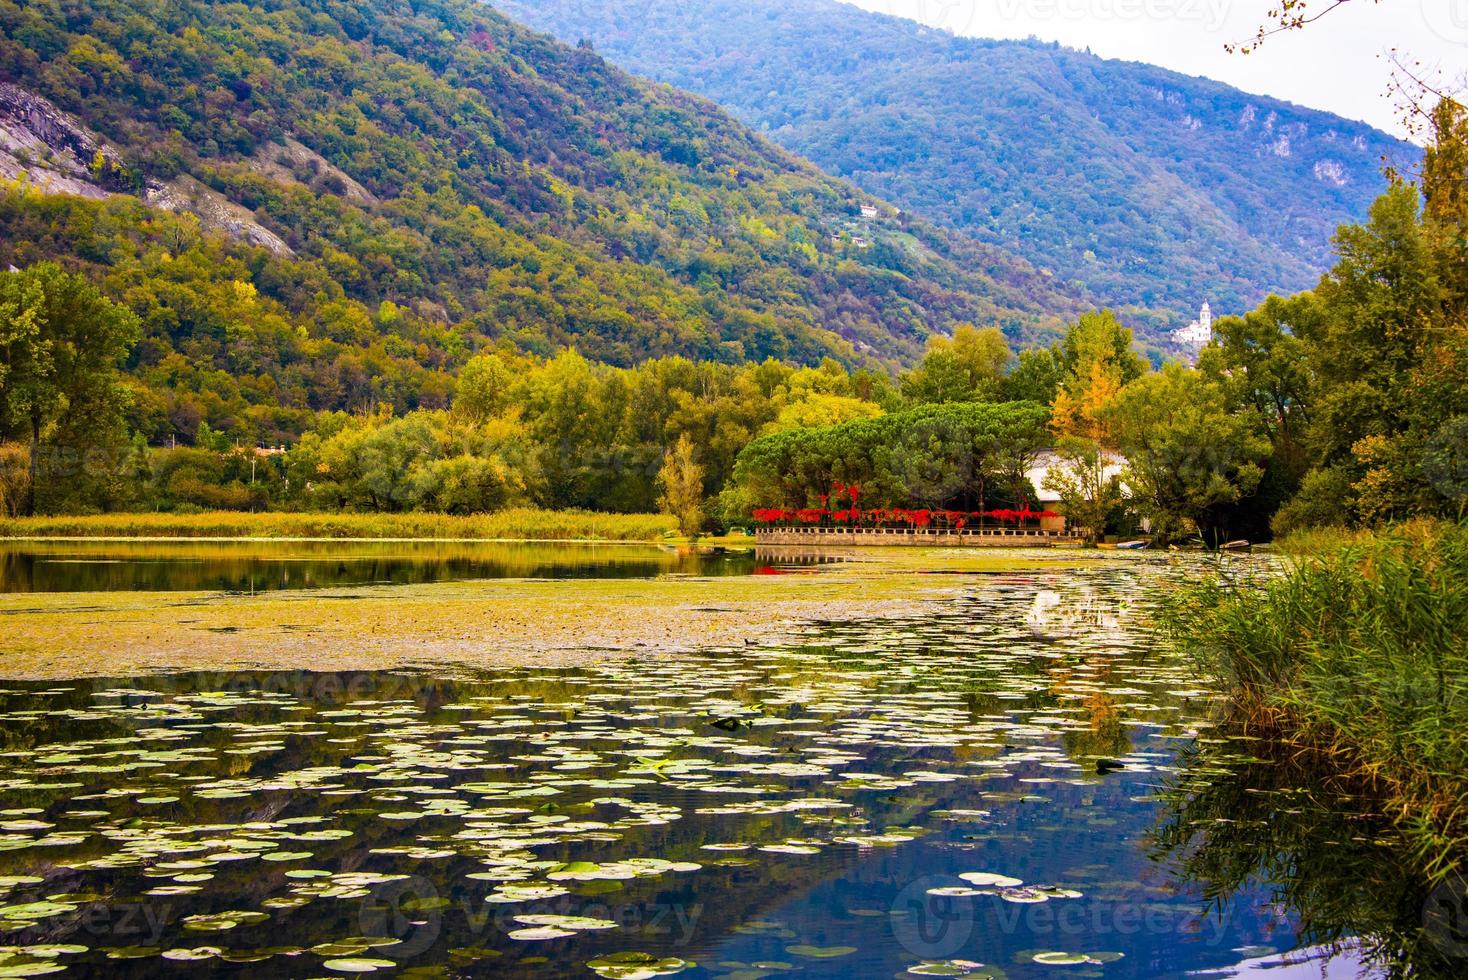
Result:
1196,335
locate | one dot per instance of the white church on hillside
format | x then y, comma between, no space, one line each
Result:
1195,336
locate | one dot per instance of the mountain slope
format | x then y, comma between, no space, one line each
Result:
1141,185
436,156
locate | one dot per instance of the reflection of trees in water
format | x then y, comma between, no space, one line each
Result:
1331,858
90,565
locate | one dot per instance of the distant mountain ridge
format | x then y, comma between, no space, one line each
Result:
1144,187
480,179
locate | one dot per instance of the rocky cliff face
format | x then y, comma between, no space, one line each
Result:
42,146
47,150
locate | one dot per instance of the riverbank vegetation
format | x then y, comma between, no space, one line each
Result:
515,524
1356,655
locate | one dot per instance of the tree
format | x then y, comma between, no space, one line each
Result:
1096,360
819,409
61,342
1187,454
968,367
1260,363
1036,376
483,388
1084,476
14,479
681,480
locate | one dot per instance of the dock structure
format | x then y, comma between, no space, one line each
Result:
915,537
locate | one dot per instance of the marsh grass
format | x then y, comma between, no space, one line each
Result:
516,524
1356,653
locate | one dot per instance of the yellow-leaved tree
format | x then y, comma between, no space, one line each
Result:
681,480
1097,359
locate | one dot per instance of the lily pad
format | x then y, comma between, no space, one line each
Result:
636,966
820,952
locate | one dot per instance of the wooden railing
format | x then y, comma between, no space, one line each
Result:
928,536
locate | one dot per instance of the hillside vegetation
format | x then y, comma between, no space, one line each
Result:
402,184
1144,187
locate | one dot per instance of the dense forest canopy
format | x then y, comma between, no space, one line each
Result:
1144,187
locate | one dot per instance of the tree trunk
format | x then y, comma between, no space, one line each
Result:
34,466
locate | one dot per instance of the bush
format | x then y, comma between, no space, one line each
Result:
1325,499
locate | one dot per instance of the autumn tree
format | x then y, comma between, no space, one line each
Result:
681,480
1097,359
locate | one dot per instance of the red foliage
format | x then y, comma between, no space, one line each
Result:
877,517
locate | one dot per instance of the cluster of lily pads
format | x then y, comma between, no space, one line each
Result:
550,790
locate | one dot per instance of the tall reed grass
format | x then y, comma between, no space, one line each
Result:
515,524
1357,652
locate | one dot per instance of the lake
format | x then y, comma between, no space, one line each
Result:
261,566
1021,783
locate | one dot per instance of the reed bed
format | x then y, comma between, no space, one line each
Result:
1357,653
515,524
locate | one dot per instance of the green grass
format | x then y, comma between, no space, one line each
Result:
516,524
1356,653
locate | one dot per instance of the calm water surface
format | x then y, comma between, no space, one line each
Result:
973,793
262,566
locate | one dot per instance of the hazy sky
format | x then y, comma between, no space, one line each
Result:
1332,64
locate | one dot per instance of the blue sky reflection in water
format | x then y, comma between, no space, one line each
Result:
753,811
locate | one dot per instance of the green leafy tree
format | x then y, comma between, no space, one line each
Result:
967,367
1188,455
482,390
1036,376
61,343
1260,363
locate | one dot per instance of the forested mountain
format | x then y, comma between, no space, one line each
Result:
1146,187
382,188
